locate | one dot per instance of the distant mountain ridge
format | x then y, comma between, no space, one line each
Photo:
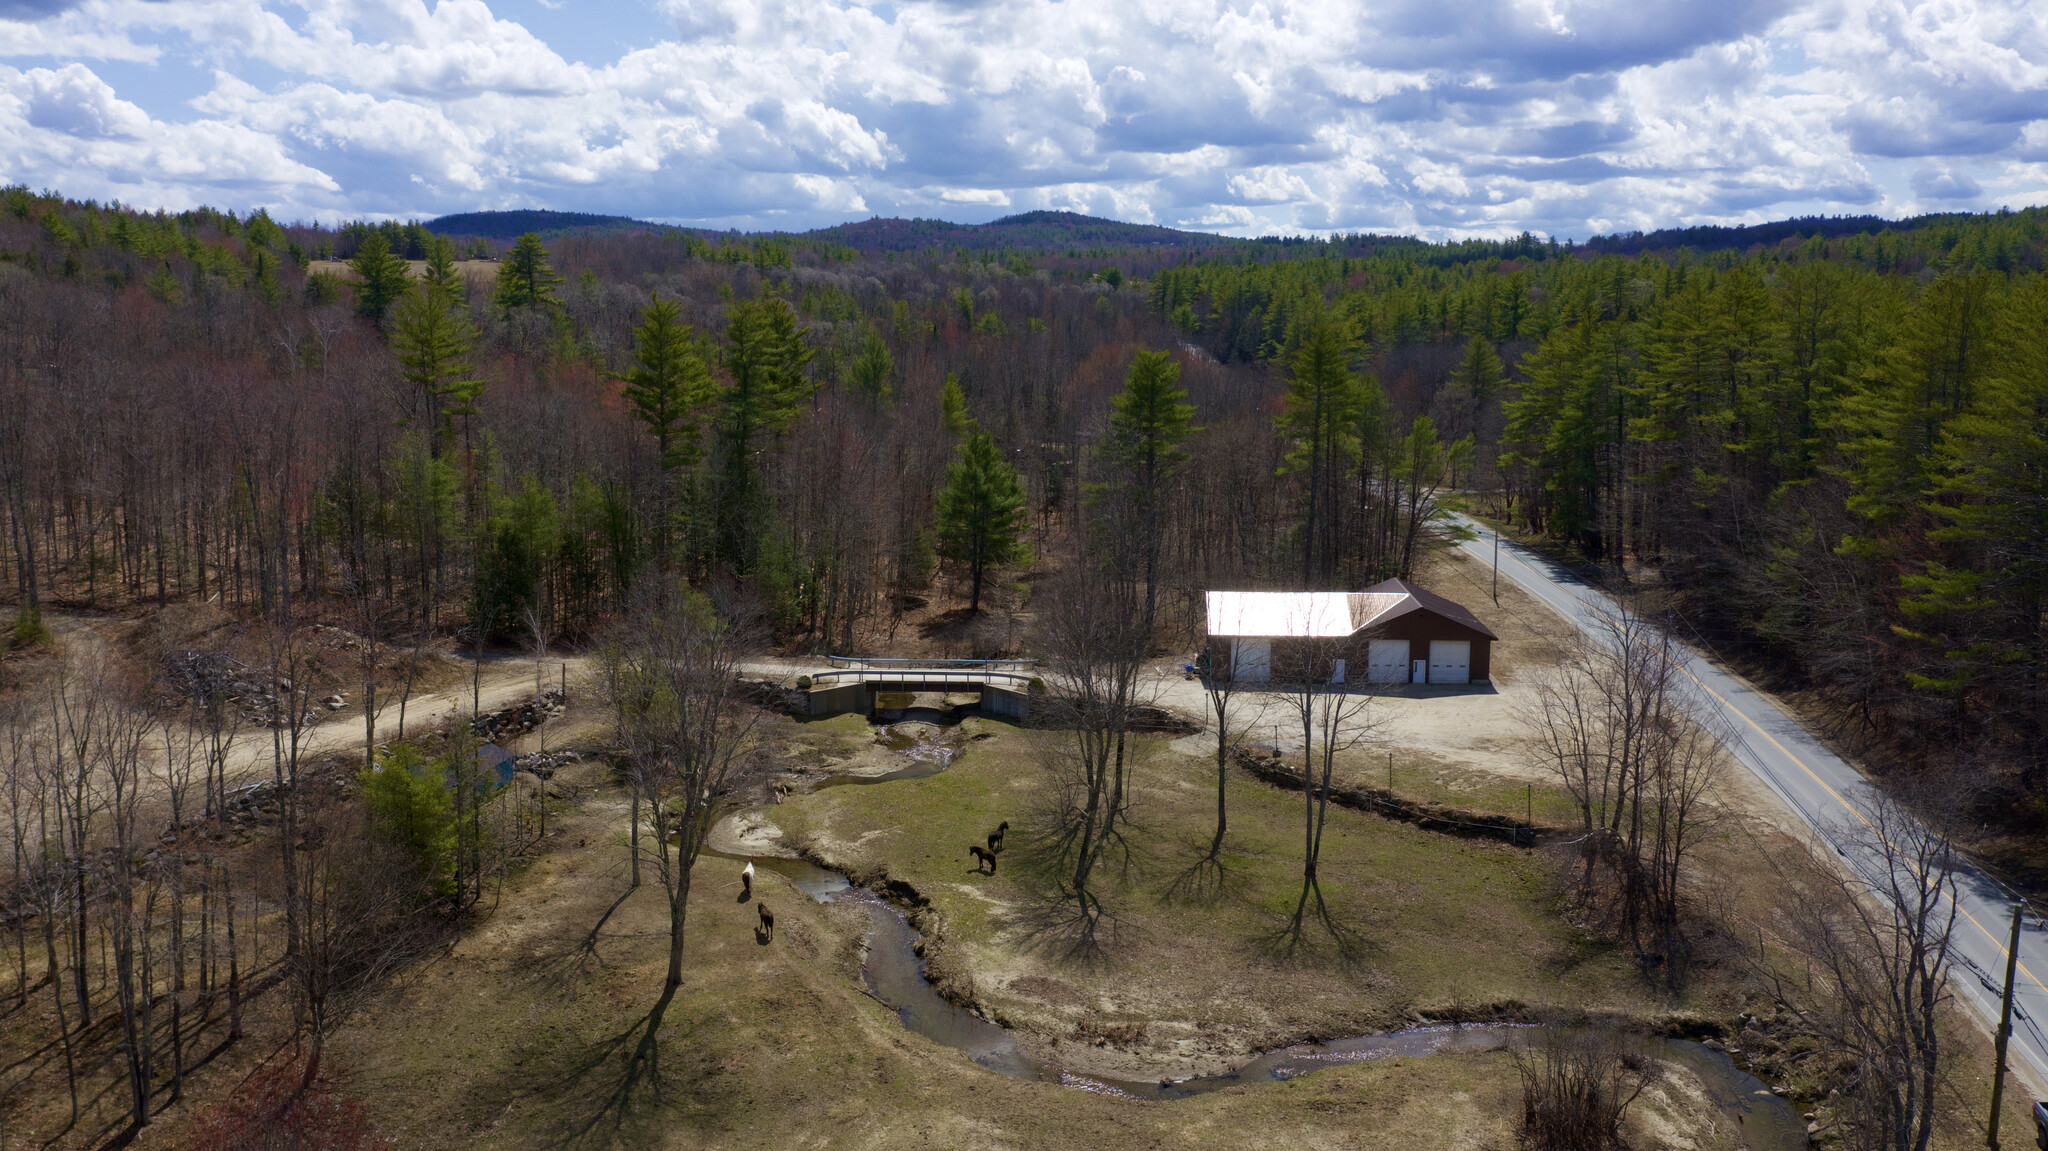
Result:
1040,229
1707,237
511,225
1052,230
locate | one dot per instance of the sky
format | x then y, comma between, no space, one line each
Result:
1439,118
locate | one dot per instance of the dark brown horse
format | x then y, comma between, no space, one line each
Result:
983,858
995,838
767,922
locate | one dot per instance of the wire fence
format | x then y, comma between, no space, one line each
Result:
1427,816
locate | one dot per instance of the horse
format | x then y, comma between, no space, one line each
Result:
983,858
747,882
995,838
767,922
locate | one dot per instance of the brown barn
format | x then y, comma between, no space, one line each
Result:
1393,632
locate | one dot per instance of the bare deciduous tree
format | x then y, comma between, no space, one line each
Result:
1638,754
675,675
362,918
1091,641
1876,939
1234,712
1333,718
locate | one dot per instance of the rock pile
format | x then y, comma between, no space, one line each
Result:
543,764
508,722
204,675
259,802
775,697
215,676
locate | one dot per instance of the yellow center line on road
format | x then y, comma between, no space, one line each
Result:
1832,793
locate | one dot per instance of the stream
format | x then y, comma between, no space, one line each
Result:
896,976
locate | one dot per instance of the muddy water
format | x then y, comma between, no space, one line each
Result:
893,971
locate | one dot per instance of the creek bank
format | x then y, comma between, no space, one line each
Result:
907,965
896,970
906,938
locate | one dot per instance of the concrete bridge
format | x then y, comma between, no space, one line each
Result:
852,683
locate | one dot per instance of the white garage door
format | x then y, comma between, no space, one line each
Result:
1252,660
1450,661
1386,661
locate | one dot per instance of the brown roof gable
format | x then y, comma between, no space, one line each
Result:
1429,601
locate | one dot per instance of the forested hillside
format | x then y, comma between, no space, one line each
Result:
1832,448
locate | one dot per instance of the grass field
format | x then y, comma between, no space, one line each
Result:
470,269
1445,925
503,1041
780,1046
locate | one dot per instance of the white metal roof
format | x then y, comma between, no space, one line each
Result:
1295,614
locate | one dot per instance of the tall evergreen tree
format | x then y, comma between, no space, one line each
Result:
1149,422
766,388
1984,598
953,407
981,513
434,341
874,369
525,279
668,388
1929,375
385,277
1321,411
1479,375
440,271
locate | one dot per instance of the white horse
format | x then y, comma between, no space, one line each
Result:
747,882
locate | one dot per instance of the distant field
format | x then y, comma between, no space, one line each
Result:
473,269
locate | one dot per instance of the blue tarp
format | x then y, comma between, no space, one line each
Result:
490,757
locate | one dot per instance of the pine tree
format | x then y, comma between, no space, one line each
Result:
873,369
1479,375
525,279
953,407
1149,420
981,513
1148,423
434,341
1564,429
668,388
765,365
385,277
440,271
1985,596
1928,376
1322,404
519,546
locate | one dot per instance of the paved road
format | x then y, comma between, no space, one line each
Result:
1832,798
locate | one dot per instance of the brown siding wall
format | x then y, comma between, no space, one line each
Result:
1419,627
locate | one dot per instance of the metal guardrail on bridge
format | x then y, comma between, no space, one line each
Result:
1008,680
878,662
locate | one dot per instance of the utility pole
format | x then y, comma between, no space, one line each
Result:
2012,958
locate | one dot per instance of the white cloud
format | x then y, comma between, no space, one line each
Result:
1485,116
75,102
992,196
